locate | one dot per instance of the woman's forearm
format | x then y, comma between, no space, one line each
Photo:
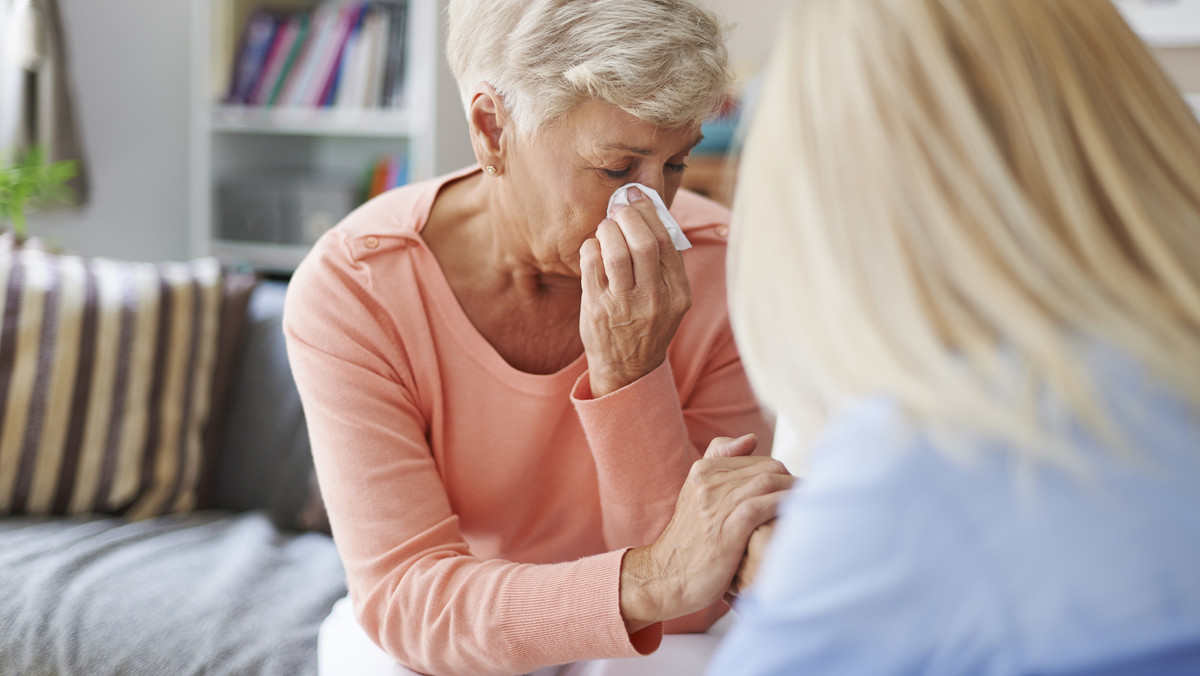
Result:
728,494
639,441
642,588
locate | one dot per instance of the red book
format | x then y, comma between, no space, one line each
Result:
353,25
378,178
299,79
327,61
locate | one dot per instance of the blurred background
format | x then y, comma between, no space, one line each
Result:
194,139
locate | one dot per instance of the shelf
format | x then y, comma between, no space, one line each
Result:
238,144
265,256
312,121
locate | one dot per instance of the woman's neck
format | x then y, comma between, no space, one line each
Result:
529,315
478,244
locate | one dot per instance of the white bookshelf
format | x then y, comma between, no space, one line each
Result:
233,143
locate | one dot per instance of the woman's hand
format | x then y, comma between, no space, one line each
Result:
635,292
728,494
755,551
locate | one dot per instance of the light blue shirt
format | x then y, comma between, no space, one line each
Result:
893,558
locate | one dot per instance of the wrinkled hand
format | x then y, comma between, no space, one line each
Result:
635,293
727,495
748,569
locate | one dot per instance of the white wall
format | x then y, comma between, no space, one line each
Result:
755,24
129,61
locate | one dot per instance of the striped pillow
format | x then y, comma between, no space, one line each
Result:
106,374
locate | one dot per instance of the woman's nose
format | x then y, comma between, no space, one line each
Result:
652,179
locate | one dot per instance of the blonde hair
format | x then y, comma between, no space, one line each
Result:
664,61
947,201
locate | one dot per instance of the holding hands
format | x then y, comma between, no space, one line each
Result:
635,293
727,496
756,549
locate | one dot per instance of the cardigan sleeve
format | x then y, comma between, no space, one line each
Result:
644,440
417,589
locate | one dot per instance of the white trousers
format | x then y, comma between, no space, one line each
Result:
343,649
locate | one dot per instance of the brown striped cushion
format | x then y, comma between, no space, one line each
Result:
106,377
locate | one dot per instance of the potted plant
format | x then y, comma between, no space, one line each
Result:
28,183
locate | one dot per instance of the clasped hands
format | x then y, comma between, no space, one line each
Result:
711,547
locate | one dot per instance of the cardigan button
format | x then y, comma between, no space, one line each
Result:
371,242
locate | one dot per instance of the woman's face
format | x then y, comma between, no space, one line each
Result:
561,177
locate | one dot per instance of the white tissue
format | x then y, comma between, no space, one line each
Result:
621,196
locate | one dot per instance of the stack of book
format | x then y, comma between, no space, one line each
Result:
388,171
339,54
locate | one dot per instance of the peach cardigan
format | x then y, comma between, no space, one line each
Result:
482,512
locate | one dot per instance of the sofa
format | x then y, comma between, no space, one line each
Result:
237,583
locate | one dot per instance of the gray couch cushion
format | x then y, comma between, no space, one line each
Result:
265,461
207,593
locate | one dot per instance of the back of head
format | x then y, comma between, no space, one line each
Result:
663,61
938,191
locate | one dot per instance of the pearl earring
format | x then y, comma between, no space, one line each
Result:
491,170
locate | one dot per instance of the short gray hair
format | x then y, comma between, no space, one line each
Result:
662,61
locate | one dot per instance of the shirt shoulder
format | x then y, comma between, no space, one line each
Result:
701,218
384,225
706,224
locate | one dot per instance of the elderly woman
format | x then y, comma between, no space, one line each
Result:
506,391
982,218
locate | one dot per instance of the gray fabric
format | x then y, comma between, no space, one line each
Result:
206,594
265,461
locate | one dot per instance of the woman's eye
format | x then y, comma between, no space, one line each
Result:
615,174
677,168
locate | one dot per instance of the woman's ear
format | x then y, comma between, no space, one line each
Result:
489,123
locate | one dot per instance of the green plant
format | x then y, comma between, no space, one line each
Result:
32,182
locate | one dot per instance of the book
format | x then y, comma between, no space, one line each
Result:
290,59
347,90
388,171
236,65
378,181
349,20
281,46
376,58
341,53
256,42
352,69
398,77
401,176
300,79
393,74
